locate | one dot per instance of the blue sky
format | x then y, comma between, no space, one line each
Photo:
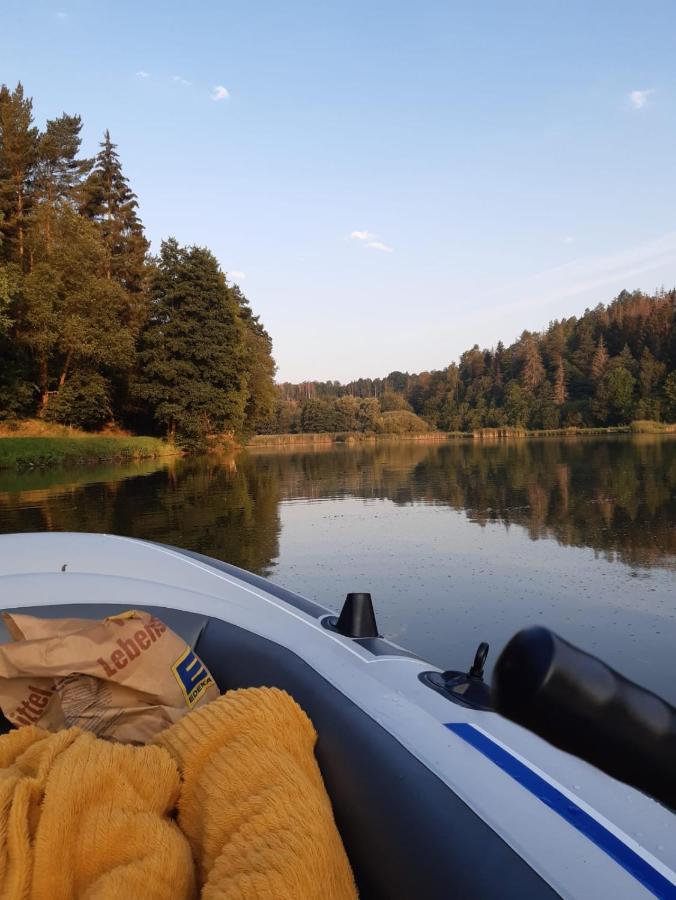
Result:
391,181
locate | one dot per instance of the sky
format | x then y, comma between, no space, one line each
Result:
389,182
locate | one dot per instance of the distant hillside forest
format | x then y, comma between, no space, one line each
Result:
612,365
92,329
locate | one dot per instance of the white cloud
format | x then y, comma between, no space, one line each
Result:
218,92
568,239
180,80
142,74
61,15
638,99
378,245
362,235
236,274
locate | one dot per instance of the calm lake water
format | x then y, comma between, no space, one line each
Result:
457,542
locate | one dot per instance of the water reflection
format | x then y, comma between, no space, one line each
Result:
458,542
616,496
225,508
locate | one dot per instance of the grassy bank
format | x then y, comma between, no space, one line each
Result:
39,452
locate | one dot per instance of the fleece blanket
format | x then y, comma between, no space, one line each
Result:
227,803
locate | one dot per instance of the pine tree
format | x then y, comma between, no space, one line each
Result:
584,345
532,369
517,406
599,361
260,365
18,155
559,396
58,170
109,201
554,343
8,285
497,365
625,360
613,404
650,373
192,350
669,395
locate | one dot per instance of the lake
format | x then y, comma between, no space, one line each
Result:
458,542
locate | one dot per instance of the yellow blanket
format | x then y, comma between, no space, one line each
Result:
84,818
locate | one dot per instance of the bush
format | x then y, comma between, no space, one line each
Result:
402,422
82,401
393,402
648,426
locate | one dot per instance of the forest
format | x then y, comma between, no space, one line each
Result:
97,332
610,366
93,329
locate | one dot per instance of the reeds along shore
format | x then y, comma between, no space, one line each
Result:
486,434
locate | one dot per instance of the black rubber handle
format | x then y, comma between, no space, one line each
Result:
581,705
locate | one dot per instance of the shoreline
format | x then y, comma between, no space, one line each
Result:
26,453
481,434
23,452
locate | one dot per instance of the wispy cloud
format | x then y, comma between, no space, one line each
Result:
638,99
142,74
61,15
218,92
614,270
369,238
568,239
237,274
180,80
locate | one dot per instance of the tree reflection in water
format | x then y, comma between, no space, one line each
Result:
615,495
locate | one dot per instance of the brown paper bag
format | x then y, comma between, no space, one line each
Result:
126,677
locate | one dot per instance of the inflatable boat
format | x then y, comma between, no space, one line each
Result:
435,793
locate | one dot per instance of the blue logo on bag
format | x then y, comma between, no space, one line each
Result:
192,675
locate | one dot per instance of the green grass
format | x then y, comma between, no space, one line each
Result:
40,452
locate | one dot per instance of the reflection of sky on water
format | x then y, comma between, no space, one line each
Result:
441,585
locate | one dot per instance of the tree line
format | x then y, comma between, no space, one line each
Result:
94,330
614,364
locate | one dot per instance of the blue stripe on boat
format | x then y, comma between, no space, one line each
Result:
630,861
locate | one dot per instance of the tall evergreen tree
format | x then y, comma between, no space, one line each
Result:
599,361
18,155
560,384
58,170
532,369
111,203
192,372
260,365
